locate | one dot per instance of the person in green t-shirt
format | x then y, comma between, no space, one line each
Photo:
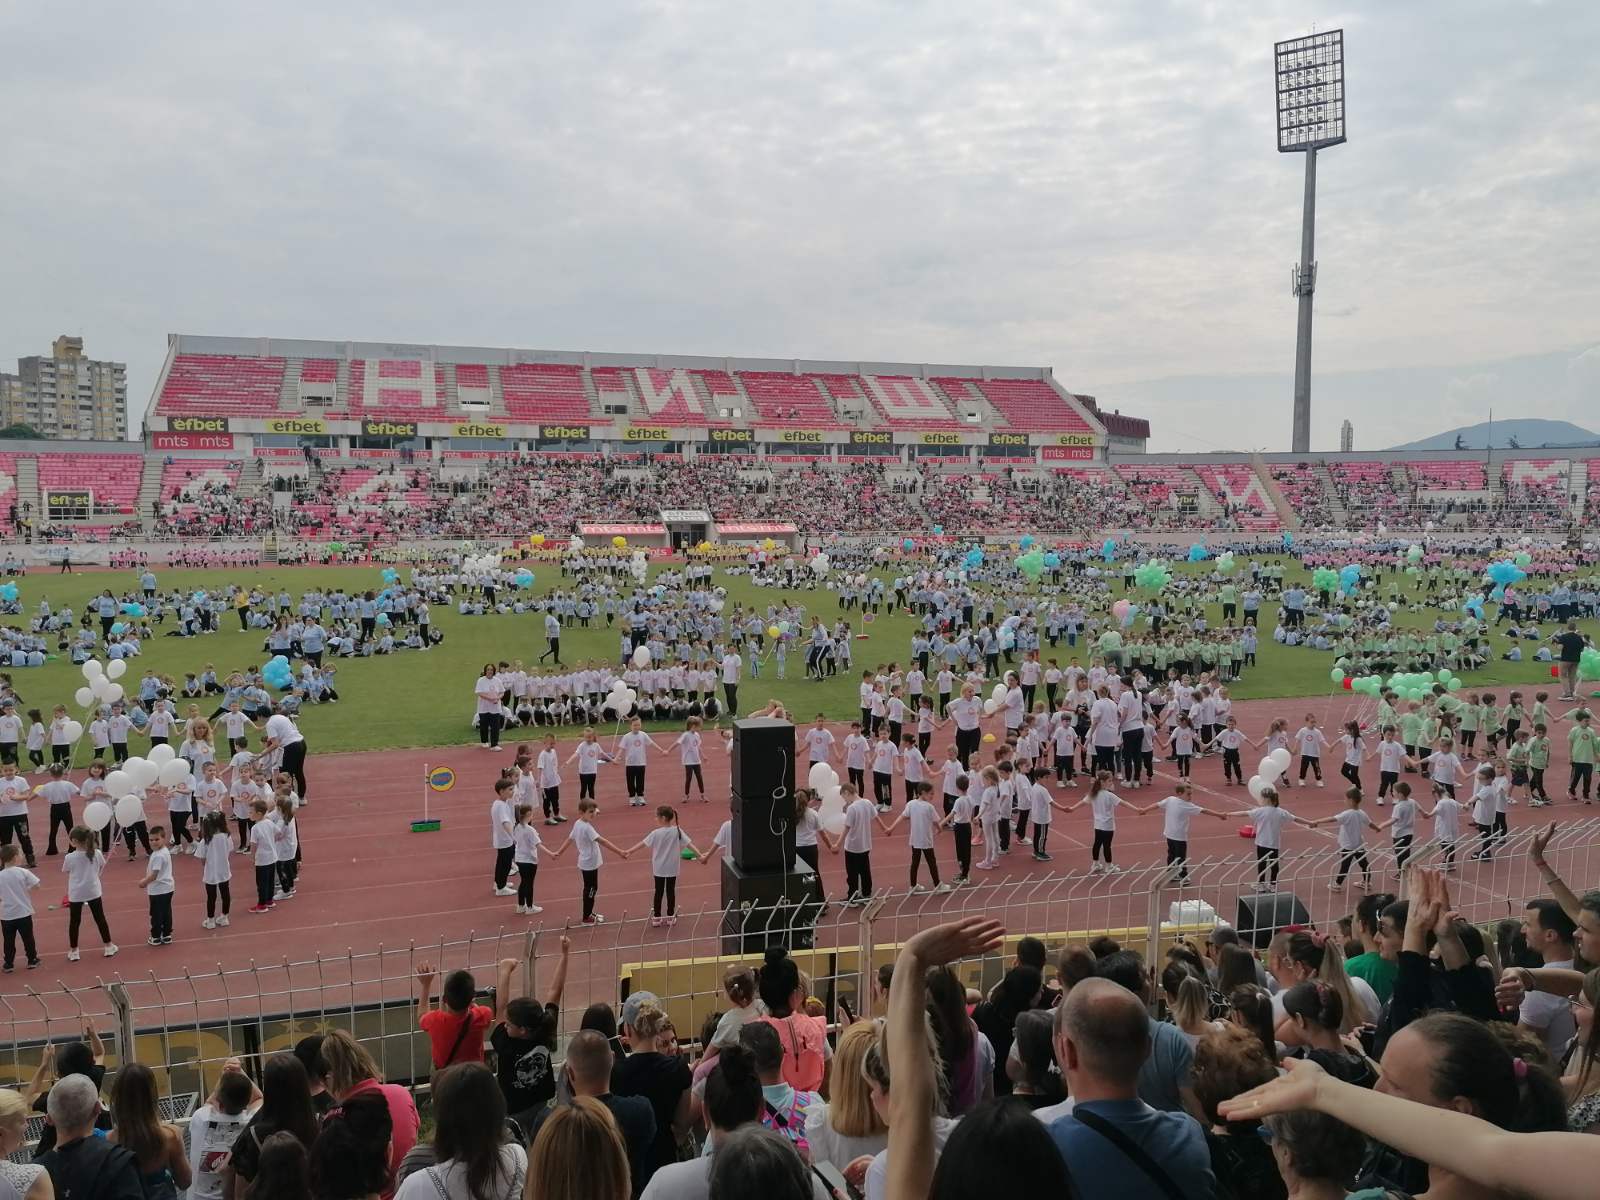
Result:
1379,963
1581,744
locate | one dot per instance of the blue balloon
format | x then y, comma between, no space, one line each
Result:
118,627
523,578
908,545
133,610
1288,539
383,618
1026,542
1052,560
1198,553
1108,551
198,597
938,529
974,559
1498,592
1505,572
390,575
8,592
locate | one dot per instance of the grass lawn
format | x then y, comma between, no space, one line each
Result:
425,698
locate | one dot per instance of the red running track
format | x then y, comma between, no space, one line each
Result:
367,879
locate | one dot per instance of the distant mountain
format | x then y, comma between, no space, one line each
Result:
1530,432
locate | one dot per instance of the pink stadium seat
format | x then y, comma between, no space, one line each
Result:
668,396
113,478
319,370
1032,404
544,392
908,403
183,477
784,399
221,384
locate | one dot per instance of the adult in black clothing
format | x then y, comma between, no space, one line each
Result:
1313,1013
655,1071
996,1017
1227,1063
1572,644
1451,983
286,1107
588,1073
83,1166
71,1058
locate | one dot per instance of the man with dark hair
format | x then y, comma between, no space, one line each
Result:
1169,1060
83,1166
1550,933
1379,961
587,1072
1031,952
1111,1137
1227,935
85,1058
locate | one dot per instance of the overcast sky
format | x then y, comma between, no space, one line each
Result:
1088,186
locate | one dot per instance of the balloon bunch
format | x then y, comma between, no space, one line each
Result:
132,609
1108,550
1031,564
390,577
536,540
1589,663
1198,552
1325,579
780,630
974,559
824,780
1052,561
819,564
996,700
1349,578
1267,772
908,545
278,673
1124,611
523,578
620,699
128,782
619,542
100,683
1025,542
1502,573
1153,575
1226,562
9,592
1414,553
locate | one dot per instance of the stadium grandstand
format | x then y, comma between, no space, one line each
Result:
246,438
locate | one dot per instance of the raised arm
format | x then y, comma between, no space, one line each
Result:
559,983
1545,1166
1565,896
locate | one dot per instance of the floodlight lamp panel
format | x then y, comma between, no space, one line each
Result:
1309,82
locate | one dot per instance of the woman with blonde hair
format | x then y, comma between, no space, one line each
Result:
578,1155
1294,957
353,1072
847,1126
30,1180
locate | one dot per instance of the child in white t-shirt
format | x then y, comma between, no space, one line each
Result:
666,842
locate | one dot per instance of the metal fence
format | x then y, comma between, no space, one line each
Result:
186,1026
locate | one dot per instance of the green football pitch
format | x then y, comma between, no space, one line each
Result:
417,698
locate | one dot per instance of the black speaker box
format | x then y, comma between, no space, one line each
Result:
762,800
765,908
1264,914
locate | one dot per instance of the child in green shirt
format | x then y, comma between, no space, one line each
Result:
1538,760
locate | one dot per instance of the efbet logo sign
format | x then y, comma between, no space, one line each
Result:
646,433
198,424
999,440
311,425
563,433
400,429
472,429
871,437
736,437
1076,439
941,439
801,435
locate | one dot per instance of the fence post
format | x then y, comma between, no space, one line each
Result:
864,972
1152,930
122,1008
530,976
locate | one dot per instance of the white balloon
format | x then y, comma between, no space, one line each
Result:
999,693
821,775
97,814
632,696
834,824
108,691
174,773
92,670
73,730
119,783
162,754
1281,757
84,696
146,775
990,707
116,668
129,810
1269,769
641,656
1254,786
832,800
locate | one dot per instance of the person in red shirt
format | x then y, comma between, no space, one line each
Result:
456,1026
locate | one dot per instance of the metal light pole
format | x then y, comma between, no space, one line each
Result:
1309,75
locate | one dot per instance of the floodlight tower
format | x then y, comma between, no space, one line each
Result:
1310,86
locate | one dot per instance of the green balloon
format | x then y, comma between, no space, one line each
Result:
1454,685
1337,675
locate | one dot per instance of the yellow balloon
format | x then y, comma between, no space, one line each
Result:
769,544
988,737
537,539
619,541
772,631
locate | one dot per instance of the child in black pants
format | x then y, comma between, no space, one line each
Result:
16,906
158,887
264,847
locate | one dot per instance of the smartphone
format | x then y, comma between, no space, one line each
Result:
849,1013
